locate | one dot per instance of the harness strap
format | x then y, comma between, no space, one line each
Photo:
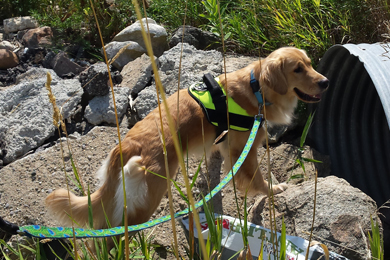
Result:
219,99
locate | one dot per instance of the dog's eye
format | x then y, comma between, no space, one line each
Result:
298,69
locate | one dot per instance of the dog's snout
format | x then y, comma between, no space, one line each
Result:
324,83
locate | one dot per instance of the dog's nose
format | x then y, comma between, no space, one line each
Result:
324,83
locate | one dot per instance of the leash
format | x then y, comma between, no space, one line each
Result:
66,232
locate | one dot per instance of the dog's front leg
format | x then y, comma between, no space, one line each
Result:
248,178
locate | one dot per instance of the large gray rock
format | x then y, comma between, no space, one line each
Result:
7,45
63,66
34,74
26,116
158,35
95,80
132,51
19,23
145,102
101,109
25,183
236,62
137,74
195,63
201,40
342,217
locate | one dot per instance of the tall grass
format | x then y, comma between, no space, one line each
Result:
251,26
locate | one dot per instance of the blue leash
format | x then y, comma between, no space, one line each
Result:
66,232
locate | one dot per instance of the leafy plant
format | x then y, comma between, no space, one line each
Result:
376,241
172,13
216,17
213,245
300,160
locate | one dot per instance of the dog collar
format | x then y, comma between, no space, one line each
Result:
255,85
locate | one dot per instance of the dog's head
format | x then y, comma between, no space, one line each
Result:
288,71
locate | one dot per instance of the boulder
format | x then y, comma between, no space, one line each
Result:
34,74
284,166
95,80
27,115
27,182
342,218
19,23
196,37
137,74
158,35
132,50
236,62
101,109
195,63
8,59
145,102
7,45
34,38
63,66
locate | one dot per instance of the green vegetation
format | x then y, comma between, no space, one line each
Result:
250,26
376,241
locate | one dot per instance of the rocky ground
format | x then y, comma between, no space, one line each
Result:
32,163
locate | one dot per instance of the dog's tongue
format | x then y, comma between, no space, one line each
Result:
318,96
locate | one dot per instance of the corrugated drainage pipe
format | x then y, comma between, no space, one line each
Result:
352,120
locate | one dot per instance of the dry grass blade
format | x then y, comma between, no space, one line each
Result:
171,126
57,120
118,133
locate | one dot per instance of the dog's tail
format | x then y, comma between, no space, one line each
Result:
107,200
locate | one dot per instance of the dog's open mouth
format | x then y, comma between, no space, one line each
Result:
306,97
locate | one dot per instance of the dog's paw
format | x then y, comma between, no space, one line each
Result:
279,188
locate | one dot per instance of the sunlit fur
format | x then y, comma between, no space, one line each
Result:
142,147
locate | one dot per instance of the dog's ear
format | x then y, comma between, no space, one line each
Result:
272,74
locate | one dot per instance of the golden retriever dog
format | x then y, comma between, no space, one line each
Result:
285,76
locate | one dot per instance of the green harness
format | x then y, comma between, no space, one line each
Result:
211,96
